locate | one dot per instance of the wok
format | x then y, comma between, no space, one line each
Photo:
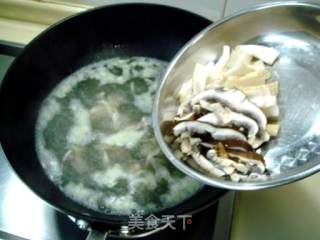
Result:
117,30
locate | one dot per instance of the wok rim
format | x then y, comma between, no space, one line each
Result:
108,219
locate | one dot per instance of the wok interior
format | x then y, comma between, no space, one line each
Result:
293,29
120,30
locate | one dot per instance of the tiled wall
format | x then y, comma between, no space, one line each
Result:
236,5
212,9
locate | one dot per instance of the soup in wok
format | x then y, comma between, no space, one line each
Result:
95,141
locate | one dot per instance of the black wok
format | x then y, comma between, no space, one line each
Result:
119,30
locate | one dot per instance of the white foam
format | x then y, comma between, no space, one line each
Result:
82,194
52,108
51,163
122,204
144,102
110,176
128,137
111,171
81,132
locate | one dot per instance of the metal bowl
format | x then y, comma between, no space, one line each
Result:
292,28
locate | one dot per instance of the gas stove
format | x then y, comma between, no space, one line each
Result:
25,216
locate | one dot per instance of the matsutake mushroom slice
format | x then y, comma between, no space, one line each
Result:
207,165
186,146
261,138
250,79
265,54
271,88
273,129
272,112
239,63
249,158
183,109
222,161
235,100
235,177
227,118
188,117
199,78
215,75
185,91
237,145
203,128
221,151
264,96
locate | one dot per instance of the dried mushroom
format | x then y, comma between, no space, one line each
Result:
227,110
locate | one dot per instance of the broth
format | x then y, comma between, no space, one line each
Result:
95,141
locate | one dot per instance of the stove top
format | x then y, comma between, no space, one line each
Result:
25,216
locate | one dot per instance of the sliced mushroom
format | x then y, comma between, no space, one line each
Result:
207,165
187,117
221,151
221,63
211,107
213,119
199,78
227,118
264,101
235,100
202,128
215,72
263,98
190,161
250,158
185,135
273,129
260,139
266,54
196,108
241,168
185,91
270,87
249,155
237,145
186,146
183,109
238,63
235,177
258,66
250,79
169,114
272,112
207,145
223,102
195,141
229,170
211,154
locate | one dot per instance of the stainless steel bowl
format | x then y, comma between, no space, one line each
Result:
293,28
